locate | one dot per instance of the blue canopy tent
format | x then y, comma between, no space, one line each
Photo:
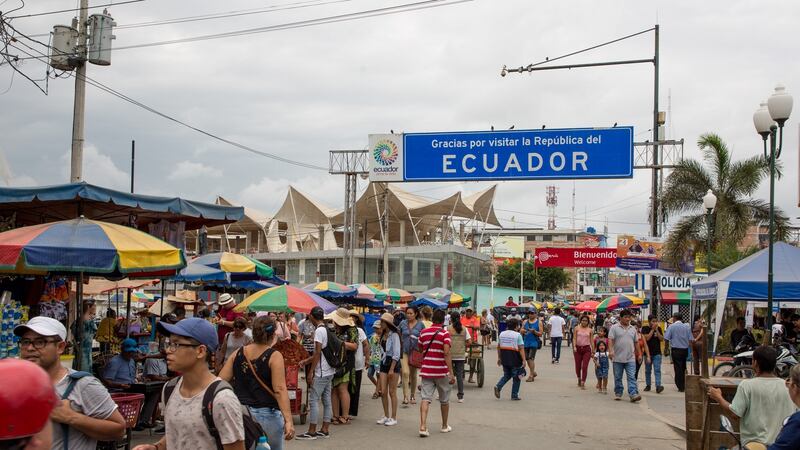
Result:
747,281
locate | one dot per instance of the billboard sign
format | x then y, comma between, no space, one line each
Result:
575,257
504,247
638,253
572,153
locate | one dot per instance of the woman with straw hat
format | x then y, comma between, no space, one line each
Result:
390,368
345,375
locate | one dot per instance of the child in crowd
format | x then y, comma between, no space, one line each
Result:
375,357
601,337
601,367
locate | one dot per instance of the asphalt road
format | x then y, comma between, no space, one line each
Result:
553,413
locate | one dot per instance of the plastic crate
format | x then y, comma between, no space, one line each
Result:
129,406
295,400
292,374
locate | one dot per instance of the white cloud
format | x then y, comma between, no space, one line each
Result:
99,169
268,194
190,169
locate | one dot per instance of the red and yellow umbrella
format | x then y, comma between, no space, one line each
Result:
619,301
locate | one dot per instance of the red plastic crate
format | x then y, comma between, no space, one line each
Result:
296,402
129,406
292,374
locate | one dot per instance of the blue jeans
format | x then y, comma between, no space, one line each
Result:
649,367
556,349
320,391
630,370
509,374
271,420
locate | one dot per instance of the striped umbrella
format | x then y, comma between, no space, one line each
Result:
368,292
619,301
225,266
331,290
86,246
397,295
284,298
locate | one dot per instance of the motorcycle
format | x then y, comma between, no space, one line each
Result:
787,358
742,356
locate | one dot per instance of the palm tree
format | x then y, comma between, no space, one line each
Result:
733,182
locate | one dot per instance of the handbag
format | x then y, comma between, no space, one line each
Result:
415,358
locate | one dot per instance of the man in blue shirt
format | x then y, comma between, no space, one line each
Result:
120,372
679,335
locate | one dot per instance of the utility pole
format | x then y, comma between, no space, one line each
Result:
133,162
654,212
76,161
351,164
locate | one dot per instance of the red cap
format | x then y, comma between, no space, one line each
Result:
24,412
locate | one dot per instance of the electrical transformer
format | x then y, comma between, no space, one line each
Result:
100,28
62,51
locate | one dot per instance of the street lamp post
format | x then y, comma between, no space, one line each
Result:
709,202
777,109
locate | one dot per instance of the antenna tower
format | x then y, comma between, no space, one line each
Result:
552,202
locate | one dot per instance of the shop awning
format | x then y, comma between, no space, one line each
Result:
675,298
36,205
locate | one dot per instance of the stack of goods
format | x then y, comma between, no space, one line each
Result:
54,298
13,314
293,353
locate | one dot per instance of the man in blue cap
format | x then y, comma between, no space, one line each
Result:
189,348
120,372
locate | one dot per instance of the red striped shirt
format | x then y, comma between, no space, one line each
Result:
434,364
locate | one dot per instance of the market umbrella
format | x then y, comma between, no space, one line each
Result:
284,298
397,295
225,266
445,295
84,246
589,305
331,290
368,292
424,301
619,301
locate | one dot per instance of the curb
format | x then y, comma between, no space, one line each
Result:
646,407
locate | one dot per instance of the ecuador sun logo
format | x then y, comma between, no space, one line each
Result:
385,152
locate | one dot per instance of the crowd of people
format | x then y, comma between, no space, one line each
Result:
225,380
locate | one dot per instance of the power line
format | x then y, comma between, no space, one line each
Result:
406,7
46,13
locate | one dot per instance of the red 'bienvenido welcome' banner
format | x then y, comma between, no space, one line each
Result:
576,257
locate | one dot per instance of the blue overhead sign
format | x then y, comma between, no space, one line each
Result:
577,153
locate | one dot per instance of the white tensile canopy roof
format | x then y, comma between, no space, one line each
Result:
303,217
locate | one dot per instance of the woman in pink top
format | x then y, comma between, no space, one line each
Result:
583,349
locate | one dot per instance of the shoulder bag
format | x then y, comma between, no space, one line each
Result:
415,358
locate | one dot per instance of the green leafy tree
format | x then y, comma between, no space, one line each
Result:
546,279
733,182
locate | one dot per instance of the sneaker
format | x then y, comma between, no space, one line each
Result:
552,361
659,389
446,430
496,392
424,433
390,422
306,437
617,397
323,434
461,400
515,398
159,430
636,398
382,421
647,388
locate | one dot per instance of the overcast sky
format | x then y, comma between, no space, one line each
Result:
301,92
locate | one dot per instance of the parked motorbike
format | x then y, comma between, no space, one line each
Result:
742,356
787,358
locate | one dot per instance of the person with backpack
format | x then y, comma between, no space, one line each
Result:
258,376
201,411
345,329
328,355
85,412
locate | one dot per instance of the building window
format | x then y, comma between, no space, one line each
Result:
547,237
279,266
531,238
327,269
570,238
560,238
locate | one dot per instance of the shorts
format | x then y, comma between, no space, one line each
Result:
385,366
485,332
442,385
530,353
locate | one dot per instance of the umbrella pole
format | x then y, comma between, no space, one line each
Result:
128,315
163,290
79,324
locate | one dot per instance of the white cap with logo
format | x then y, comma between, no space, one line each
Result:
44,326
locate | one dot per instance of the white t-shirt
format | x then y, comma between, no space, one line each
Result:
323,368
89,397
362,336
556,326
186,429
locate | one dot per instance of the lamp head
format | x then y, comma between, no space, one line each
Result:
780,105
710,200
762,120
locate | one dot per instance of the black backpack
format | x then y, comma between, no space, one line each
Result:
252,429
334,352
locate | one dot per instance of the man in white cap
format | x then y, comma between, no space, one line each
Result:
226,315
86,412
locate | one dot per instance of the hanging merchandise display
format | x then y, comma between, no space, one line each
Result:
13,313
